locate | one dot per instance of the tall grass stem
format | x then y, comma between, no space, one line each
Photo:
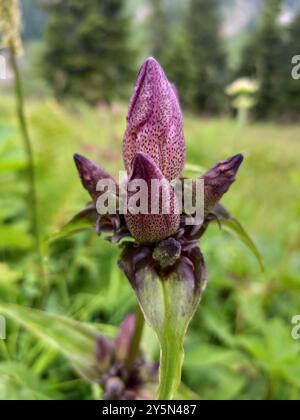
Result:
32,193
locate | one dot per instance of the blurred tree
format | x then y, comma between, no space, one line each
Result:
269,58
88,54
179,67
203,25
34,19
171,51
264,59
291,99
159,26
294,35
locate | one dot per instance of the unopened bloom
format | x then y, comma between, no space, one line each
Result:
218,180
154,122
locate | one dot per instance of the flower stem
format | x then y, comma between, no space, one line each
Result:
32,202
136,341
170,365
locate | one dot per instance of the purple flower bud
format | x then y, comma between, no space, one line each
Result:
154,122
114,389
150,227
104,352
90,173
167,252
124,337
218,180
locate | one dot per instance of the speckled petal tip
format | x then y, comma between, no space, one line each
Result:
154,122
90,173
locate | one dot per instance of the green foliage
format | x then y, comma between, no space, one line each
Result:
232,225
76,341
87,54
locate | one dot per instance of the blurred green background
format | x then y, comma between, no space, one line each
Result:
78,69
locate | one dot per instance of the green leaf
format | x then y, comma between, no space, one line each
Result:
168,305
185,393
192,170
84,220
18,382
74,340
207,355
233,226
14,237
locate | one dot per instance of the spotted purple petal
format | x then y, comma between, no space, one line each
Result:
149,227
90,173
154,122
218,180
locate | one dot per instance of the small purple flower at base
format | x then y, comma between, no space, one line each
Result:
116,381
104,352
124,337
154,122
151,228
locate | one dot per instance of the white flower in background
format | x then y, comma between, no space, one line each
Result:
243,91
242,86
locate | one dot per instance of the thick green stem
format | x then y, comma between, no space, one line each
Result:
135,342
171,357
32,202
170,368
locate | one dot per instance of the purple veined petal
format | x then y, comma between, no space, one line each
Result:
113,225
104,352
90,173
124,337
134,257
154,122
151,228
189,266
108,223
195,257
218,180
